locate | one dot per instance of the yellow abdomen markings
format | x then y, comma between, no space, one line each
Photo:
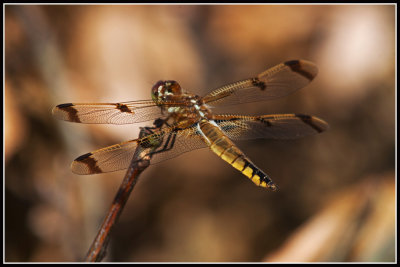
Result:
226,149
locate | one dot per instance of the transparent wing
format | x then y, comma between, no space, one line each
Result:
275,82
110,113
170,144
280,126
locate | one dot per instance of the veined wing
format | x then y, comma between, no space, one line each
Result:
110,113
275,82
171,143
278,126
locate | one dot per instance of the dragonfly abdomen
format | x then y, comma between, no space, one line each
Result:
221,145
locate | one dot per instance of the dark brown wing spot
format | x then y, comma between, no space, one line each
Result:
123,108
234,119
83,157
295,66
71,111
267,122
66,105
258,83
90,162
309,121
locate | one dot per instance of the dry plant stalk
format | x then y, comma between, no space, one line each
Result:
140,161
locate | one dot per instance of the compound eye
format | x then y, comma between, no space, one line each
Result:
174,88
158,90
157,87
162,89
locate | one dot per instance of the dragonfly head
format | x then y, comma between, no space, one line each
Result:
162,90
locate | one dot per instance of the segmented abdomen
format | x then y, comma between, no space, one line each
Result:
221,145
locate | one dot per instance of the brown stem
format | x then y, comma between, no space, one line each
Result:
97,250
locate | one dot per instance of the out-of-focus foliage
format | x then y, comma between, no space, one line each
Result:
336,197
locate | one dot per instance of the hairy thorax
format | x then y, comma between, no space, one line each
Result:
187,108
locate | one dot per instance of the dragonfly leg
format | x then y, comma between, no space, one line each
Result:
169,144
158,123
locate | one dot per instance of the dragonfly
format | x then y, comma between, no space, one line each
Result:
184,122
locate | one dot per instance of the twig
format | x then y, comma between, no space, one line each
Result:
97,250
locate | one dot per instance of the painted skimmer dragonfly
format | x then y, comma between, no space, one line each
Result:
184,122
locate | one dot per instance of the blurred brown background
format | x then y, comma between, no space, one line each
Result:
337,190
